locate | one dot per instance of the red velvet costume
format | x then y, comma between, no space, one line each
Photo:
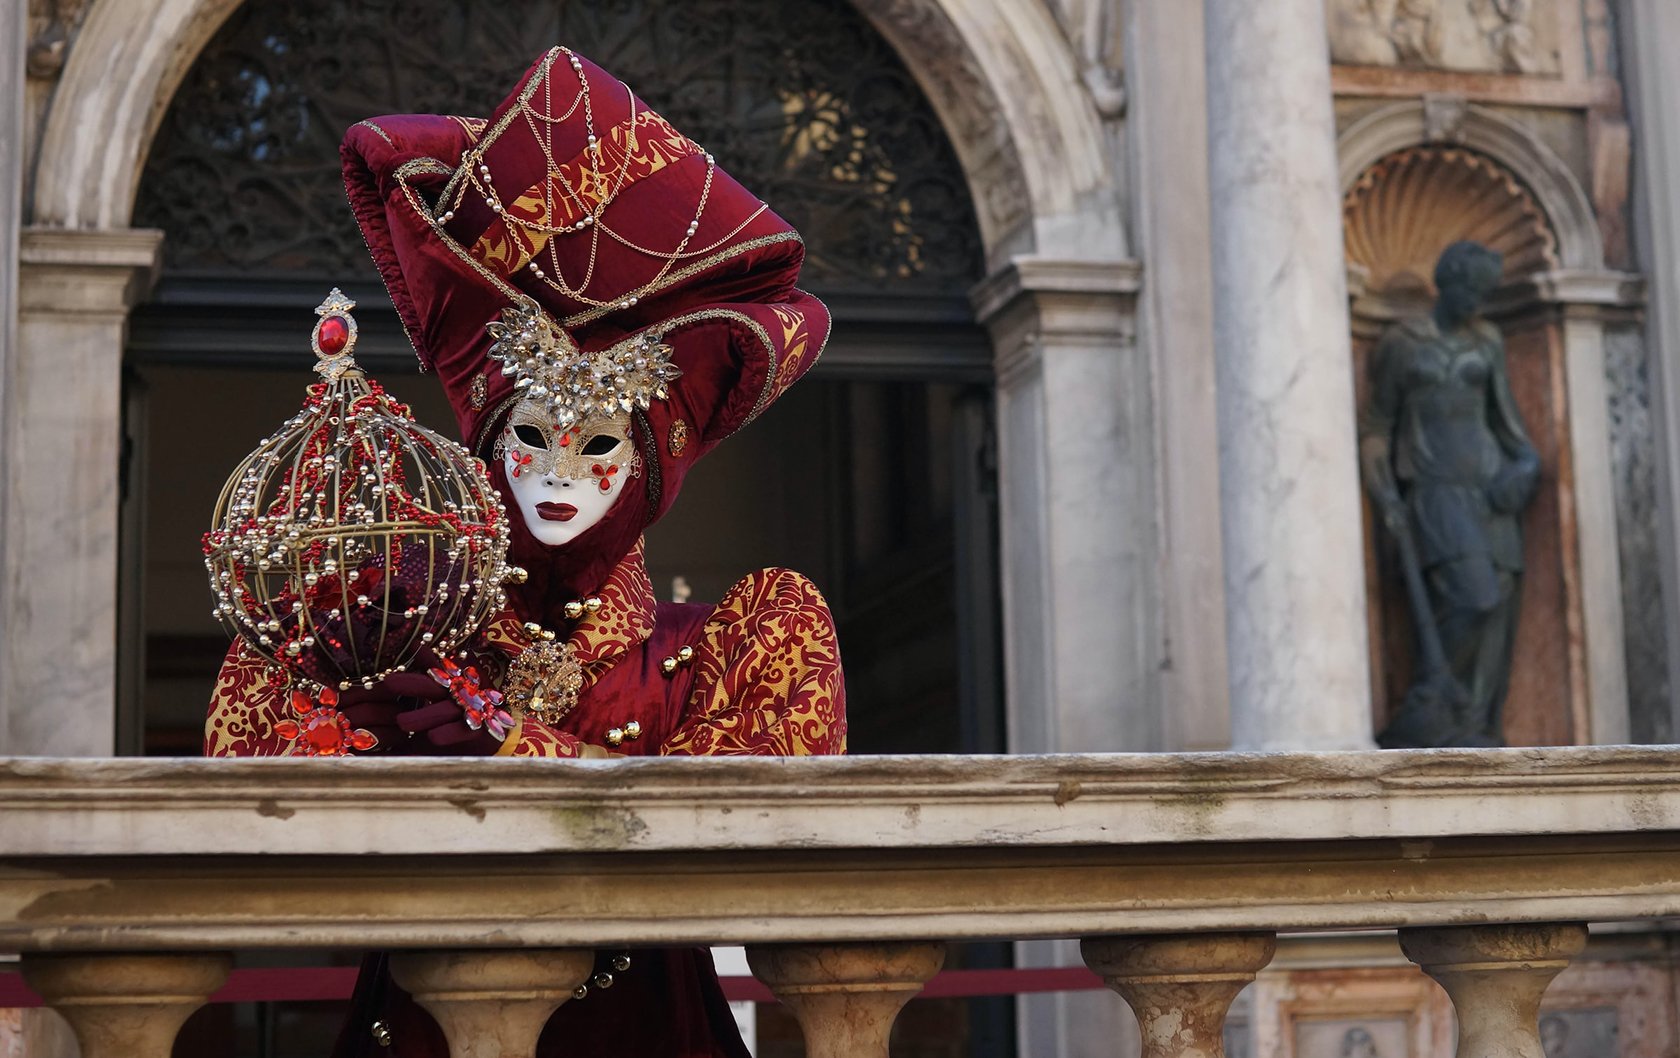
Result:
759,673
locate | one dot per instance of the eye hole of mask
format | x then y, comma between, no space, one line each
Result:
601,444
530,436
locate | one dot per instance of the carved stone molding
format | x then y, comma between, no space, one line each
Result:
1405,208
1095,30
1536,167
961,91
1483,36
52,26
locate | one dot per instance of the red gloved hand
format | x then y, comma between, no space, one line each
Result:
376,709
441,729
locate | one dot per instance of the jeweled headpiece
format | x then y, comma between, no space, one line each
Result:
549,369
353,537
576,197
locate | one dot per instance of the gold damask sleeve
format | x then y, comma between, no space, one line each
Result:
244,707
767,679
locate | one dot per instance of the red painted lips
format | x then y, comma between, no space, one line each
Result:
556,512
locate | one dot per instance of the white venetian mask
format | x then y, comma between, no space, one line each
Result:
565,481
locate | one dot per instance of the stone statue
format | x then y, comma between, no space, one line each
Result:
1449,469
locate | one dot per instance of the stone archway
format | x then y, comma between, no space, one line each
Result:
1035,173
1416,176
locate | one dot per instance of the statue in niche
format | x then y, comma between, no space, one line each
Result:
1449,469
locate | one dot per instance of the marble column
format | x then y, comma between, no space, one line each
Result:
1289,483
1652,79
62,443
1076,483
1078,506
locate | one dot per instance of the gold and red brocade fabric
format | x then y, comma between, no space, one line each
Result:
631,150
765,678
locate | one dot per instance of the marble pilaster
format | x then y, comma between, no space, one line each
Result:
1166,129
13,25
1289,483
1077,502
1652,80
58,587
1076,485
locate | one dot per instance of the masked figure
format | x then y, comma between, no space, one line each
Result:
602,305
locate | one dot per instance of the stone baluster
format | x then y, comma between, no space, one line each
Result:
122,1005
846,996
493,1003
1180,985
1496,976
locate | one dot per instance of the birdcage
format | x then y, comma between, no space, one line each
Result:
353,539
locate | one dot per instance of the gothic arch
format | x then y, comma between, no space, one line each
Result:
1580,245
1031,174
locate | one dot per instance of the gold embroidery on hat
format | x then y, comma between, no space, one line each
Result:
678,439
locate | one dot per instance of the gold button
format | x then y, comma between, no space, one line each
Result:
592,604
685,655
615,736
574,609
668,666
533,629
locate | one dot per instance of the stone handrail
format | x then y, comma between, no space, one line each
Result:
840,874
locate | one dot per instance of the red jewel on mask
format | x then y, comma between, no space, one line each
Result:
334,335
605,474
521,460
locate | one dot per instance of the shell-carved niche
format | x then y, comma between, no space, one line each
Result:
1397,217
1405,208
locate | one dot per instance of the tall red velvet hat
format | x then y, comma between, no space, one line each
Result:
577,197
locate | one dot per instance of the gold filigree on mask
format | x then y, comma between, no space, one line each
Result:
596,448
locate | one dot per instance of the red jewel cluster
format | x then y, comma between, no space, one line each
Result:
605,474
483,707
320,730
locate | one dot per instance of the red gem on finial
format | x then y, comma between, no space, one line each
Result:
334,335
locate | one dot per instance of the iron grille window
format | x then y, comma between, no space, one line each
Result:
801,100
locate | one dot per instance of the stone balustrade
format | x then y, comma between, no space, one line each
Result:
127,883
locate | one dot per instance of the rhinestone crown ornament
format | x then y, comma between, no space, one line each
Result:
353,537
550,369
